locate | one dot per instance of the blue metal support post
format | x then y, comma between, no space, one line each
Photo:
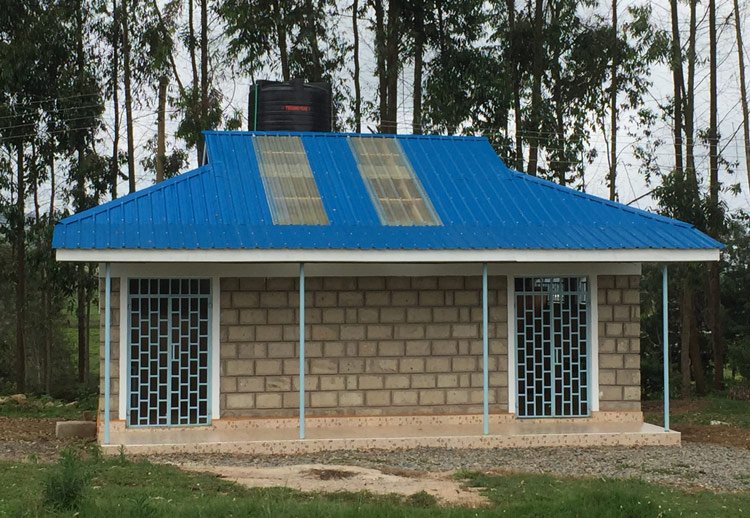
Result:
665,334
107,342
485,354
301,350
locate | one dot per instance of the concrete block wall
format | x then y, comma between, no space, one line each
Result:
114,365
619,342
374,346
384,345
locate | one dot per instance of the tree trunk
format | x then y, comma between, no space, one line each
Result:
191,44
87,356
35,181
687,321
52,186
128,95
558,164
204,79
613,109
416,121
515,80
281,33
677,88
20,272
312,37
392,64
380,58
161,134
696,363
715,216
357,86
536,88
690,103
81,321
115,173
743,89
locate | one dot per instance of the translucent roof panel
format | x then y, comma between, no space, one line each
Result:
290,187
395,190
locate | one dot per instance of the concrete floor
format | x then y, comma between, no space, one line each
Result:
284,439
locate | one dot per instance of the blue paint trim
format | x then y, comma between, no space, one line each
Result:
301,350
107,343
485,355
665,334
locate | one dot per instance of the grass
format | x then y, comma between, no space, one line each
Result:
704,410
45,407
120,487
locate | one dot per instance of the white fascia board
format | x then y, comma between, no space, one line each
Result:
389,256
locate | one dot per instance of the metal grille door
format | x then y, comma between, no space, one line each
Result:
552,346
169,351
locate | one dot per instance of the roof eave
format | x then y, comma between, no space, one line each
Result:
642,255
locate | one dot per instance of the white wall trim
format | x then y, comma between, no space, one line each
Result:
367,269
387,256
123,358
594,342
512,385
215,347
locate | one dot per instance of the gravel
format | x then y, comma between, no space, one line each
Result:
691,466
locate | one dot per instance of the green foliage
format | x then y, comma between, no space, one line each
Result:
739,356
66,483
421,499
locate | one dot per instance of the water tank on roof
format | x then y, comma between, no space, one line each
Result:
289,106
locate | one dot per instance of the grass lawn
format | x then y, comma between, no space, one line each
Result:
701,411
120,487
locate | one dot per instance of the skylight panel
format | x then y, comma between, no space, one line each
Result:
291,191
395,190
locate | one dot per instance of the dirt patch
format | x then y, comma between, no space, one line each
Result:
334,478
716,434
330,474
676,406
24,437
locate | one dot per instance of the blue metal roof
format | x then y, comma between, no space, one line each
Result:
482,205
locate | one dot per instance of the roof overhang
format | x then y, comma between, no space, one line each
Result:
389,256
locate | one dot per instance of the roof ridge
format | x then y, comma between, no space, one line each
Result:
331,134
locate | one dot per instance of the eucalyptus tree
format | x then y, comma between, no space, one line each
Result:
23,84
298,38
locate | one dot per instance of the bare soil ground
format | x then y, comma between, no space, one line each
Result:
330,478
24,437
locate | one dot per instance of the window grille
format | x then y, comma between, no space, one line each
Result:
169,351
291,191
552,346
395,190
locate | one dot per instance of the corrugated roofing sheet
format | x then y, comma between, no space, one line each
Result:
481,203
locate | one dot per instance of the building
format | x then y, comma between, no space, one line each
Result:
445,300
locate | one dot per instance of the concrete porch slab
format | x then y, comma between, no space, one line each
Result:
278,437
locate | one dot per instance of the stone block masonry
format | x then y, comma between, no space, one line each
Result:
619,342
374,346
384,346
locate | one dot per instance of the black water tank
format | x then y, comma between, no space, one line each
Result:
289,106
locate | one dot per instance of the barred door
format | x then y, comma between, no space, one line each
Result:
552,346
169,350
